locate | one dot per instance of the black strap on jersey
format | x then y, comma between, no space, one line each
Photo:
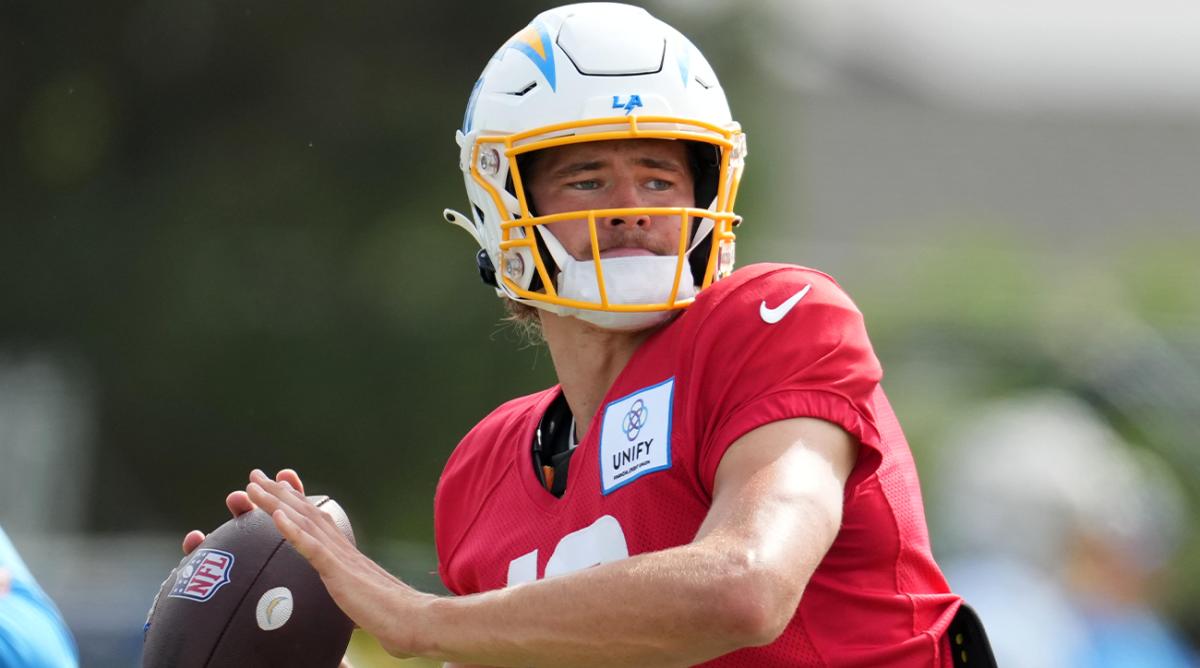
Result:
969,644
552,445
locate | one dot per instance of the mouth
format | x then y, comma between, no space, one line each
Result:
627,251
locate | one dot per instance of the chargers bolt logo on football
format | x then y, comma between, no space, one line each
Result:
274,608
204,573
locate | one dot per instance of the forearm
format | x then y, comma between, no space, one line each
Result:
677,607
777,511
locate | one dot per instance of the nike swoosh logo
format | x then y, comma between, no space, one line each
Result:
774,315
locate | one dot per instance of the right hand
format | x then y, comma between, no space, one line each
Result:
239,503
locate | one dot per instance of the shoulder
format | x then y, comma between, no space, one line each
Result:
772,342
485,445
772,321
760,281
478,464
773,326
764,293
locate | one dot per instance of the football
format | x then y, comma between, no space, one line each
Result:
246,597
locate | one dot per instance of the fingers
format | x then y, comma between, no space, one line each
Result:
238,503
306,526
192,540
290,477
272,496
5,581
302,538
287,487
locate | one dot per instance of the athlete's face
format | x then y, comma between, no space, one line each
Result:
616,174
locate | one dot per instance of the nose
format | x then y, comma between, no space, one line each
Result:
627,195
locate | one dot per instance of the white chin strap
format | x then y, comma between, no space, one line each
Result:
634,279
637,279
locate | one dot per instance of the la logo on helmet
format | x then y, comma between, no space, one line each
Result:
634,102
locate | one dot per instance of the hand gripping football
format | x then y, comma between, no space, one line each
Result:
245,597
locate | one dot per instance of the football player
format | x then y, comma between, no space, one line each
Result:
32,631
717,478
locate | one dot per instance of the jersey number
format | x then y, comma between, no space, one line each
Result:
600,543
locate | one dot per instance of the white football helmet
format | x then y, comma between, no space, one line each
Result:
595,72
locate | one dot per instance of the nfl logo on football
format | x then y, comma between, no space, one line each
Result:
203,574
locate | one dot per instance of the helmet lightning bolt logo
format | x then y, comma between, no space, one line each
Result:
534,42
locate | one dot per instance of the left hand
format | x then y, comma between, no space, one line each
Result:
374,599
239,504
5,581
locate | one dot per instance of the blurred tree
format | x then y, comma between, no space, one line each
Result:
232,212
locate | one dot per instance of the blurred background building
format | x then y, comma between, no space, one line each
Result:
221,248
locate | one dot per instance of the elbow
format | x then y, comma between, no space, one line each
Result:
758,605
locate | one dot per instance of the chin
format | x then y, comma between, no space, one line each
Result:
624,322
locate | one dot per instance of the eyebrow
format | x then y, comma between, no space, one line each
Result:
573,168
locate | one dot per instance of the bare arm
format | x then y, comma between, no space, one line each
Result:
776,510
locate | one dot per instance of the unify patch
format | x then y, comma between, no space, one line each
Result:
635,435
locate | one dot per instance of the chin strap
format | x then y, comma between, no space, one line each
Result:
487,270
461,220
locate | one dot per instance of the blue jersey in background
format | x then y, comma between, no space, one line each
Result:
32,632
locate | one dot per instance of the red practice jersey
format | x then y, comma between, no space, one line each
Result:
768,343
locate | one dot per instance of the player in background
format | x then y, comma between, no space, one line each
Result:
718,477
32,632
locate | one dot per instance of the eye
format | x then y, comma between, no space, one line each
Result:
659,184
585,184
